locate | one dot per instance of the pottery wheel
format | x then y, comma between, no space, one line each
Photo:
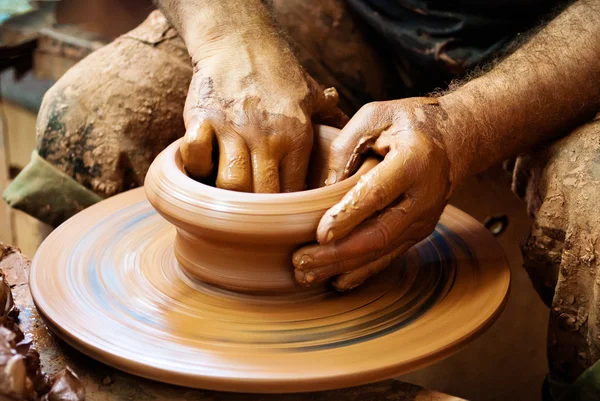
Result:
107,282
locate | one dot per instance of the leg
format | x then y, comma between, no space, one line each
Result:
562,252
105,120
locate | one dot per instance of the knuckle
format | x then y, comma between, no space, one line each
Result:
379,194
338,147
194,144
369,108
335,252
237,167
339,266
232,184
300,139
380,237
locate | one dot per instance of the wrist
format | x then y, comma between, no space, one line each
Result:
457,127
217,29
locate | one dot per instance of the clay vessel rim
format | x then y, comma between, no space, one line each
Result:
188,192
261,197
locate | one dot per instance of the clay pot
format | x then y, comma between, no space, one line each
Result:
243,241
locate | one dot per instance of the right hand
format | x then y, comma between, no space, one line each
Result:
252,98
392,207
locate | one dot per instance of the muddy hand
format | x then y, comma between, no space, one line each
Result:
391,208
256,104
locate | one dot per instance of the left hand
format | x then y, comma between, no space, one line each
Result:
392,207
251,98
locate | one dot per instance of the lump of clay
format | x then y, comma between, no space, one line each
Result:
6,299
21,377
14,383
65,387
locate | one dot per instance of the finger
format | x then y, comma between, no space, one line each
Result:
265,173
319,274
414,233
196,148
365,242
294,166
326,110
356,138
374,191
234,173
353,279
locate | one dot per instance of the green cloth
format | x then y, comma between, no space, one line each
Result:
585,388
46,193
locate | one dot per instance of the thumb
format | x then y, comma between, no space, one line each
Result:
356,138
326,110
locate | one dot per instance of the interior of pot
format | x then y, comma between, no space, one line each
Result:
318,171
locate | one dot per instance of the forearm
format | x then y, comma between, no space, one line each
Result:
201,22
546,87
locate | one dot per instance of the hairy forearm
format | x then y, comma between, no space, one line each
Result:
204,21
546,87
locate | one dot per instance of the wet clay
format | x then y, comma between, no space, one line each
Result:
243,241
116,292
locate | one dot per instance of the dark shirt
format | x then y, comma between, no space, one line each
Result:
434,41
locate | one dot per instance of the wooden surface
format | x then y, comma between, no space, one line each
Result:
106,384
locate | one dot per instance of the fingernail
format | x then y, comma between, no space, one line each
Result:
329,236
310,277
304,278
331,177
302,260
339,286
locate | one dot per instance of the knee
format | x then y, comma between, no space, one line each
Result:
576,157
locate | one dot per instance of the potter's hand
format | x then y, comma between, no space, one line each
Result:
524,101
248,95
392,207
254,100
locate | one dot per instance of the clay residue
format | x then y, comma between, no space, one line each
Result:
107,118
562,251
21,377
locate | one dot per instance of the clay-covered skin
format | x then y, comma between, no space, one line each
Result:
249,96
398,202
252,157
549,85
